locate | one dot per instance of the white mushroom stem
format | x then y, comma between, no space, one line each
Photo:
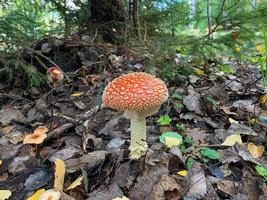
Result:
138,146
138,131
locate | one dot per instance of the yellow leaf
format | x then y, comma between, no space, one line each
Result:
1,162
170,141
200,72
77,94
232,139
7,129
5,194
232,121
77,182
260,48
253,121
182,173
121,198
60,169
37,195
263,99
255,151
237,49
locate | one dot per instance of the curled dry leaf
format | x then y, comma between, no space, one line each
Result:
121,198
5,194
197,182
37,195
59,174
232,139
255,151
76,183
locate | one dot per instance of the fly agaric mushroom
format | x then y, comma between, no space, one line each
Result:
50,195
139,95
54,75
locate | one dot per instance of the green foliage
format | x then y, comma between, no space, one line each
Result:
262,171
263,59
180,127
164,120
189,162
210,153
227,69
23,21
34,77
213,101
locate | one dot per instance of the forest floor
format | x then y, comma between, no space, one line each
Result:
217,123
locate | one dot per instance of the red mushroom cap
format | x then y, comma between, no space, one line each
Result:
135,91
55,74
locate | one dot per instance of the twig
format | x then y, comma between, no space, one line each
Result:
40,62
49,60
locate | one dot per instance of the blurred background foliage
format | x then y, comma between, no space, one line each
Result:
199,30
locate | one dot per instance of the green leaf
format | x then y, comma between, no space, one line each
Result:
177,96
164,120
226,68
177,138
210,153
189,163
262,171
180,127
179,105
188,140
213,101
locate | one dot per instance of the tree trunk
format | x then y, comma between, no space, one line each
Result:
135,13
209,17
109,18
130,9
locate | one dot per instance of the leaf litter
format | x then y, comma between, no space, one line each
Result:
208,140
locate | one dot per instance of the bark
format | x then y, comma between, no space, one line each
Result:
209,17
135,16
109,18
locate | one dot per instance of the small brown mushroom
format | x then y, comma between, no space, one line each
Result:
50,195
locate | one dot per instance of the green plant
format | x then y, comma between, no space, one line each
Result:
164,120
263,59
209,153
34,78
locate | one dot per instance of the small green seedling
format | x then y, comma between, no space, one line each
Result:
262,171
164,120
208,153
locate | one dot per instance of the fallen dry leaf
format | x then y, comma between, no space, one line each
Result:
5,194
263,99
182,173
121,198
232,139
255,151
166,188
197,182
192,103
7,129
59,174
37,195
75,183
